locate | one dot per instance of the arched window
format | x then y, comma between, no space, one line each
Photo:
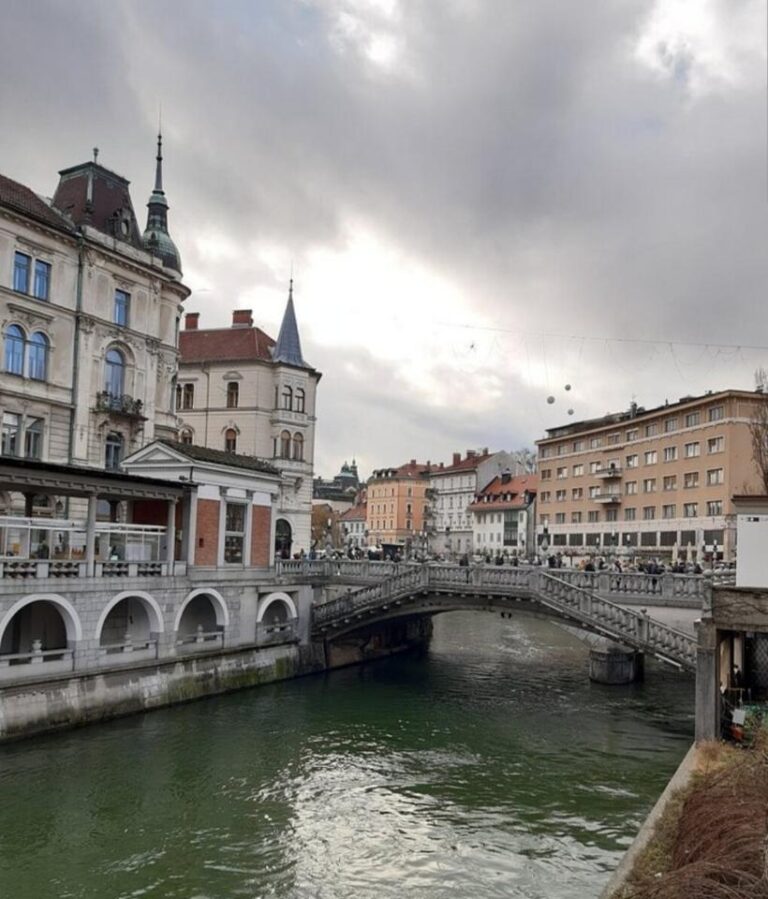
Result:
299,399
233,394
287,397
298,447
185,435
230,440
178,397
37,357
113,454
285,445
14,350
188,400
114,374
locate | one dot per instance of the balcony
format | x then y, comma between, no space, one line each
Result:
607,497
610,471
121,405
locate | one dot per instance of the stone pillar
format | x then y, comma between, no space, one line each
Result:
615,665
90,536
170,536
707,687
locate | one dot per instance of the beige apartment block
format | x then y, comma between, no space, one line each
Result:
649,482
397,502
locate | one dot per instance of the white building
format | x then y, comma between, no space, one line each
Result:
240,391
89,312
504,516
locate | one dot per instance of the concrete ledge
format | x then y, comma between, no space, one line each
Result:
679,780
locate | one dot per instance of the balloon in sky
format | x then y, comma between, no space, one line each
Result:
550,399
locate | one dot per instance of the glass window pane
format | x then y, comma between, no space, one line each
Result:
21,265
37,357
122,306
42,280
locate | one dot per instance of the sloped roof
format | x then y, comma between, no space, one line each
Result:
221,457
356,513
288,346
21,199
465,465
495,490
225,345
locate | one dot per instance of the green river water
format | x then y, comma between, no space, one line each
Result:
487,767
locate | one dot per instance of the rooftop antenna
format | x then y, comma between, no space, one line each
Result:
95,154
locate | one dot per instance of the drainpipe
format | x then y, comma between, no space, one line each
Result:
76,345
207,370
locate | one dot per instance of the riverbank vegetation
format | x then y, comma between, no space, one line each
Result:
712,840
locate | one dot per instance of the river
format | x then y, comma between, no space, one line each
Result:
487,767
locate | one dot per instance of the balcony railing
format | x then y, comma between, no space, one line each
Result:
611,471
119,404
608,496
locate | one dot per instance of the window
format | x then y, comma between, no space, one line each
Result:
578,446
690,510
690,479
560,496
37,357
670,453
670,482
629,514
42,285
716,413
715,444
233,394
593,492
544,520
285,444
562,473
594,442
578,471
669,511
14,350
593,517
230,440
692,450
560,518
577,493
649,485
188,396
300,399
594,467
715,507
649,513
692,419
546,474
234,533
651,430
613,439
33,438
670,425
630,488
561,449
575,517
113,453
714,476
633,461
651,457
611,514
545,496
298,447
287,398
185,436
10,436
22,265
114,374
122,308
633,434
545,452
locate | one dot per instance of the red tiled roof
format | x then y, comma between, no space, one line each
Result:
464,465
225,344
496,489
412,470
21,199
356,513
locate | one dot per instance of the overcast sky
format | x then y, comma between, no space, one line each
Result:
482,200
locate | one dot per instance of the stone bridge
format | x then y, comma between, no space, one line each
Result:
592,601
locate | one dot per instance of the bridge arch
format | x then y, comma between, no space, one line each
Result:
280,606
37,622
204,606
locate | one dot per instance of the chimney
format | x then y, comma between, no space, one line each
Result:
506,476
413,461
456,458
242,318
471,454
485,451
190,321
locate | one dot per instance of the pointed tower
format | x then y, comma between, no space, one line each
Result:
288,346
156,238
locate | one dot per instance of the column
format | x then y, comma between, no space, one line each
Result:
90,536
170,535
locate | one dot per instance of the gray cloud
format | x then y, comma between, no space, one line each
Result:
519,150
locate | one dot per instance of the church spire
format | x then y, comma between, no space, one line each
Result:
156,238
288,346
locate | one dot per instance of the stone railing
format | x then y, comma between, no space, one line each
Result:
578,603
278,632
26,569
28,664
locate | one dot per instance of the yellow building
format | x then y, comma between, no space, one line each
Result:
397,502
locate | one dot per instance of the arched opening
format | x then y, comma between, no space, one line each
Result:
37,357
230,440
283,539
114,374
287,398
285,444
199,620
38,626
298,447
277,612
14,350
185,435
233,394
299,399
131,621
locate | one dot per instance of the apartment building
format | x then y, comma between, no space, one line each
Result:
397,502
503,516
655,482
